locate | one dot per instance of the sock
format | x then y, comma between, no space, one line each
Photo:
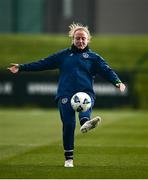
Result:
83,120
68,154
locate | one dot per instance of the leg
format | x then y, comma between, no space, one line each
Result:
85,121
85,116
68,119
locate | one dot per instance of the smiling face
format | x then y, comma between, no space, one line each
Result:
80,39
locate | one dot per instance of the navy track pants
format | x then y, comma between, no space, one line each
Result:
68,117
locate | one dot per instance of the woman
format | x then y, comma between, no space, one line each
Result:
78,66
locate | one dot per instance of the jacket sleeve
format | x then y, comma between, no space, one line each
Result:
51,62
103,69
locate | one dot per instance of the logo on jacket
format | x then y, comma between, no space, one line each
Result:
85,55
71,54
64,100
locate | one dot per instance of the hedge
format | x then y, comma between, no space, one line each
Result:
123,53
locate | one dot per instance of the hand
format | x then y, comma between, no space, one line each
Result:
14,68
121,87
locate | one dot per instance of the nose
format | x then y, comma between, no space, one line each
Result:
80,40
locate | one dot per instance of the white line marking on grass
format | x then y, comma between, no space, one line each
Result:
122,146
38,145
27,145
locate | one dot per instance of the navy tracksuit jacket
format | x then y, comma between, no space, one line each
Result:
78,69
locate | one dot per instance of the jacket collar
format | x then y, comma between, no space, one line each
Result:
74,49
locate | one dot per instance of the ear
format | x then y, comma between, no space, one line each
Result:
88,39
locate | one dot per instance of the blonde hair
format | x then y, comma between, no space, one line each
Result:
77,26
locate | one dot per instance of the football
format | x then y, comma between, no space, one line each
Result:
81,102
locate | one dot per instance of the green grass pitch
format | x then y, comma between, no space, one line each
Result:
31,146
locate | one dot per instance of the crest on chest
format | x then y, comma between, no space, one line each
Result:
85,55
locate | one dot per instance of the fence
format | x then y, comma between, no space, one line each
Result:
39,89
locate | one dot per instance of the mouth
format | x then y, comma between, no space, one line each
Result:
81,46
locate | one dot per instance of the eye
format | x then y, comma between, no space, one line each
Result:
83,38
77,38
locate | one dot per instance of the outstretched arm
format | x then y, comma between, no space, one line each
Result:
106,72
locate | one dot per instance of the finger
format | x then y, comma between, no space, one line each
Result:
122,87
14,64
10,69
